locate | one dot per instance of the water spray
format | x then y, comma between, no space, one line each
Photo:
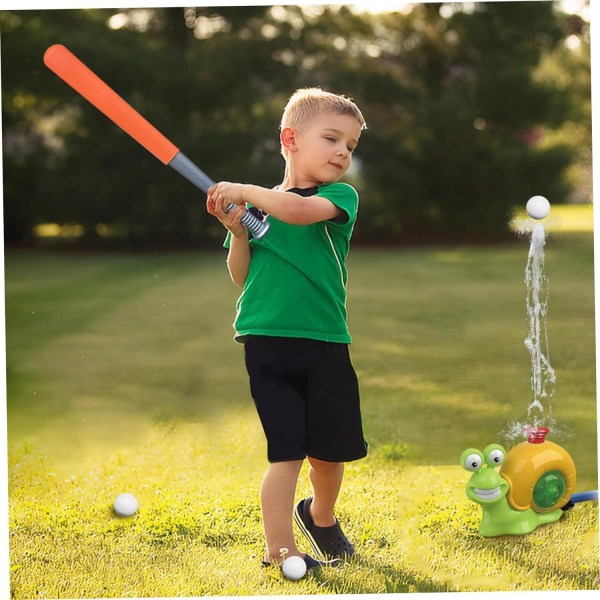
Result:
543,377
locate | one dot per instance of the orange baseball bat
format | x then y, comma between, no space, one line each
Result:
83,80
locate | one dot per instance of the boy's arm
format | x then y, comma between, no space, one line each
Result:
285,206
238,258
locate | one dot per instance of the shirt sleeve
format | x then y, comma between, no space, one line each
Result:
345,197
227,241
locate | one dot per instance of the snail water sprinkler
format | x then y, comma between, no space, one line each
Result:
535,481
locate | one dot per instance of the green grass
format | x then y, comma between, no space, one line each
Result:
122,376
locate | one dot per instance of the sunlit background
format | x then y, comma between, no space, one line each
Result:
121,370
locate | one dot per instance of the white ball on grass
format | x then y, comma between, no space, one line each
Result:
538,207
294,568
126,505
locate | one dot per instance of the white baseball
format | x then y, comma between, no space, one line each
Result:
294,568
126,505
538,207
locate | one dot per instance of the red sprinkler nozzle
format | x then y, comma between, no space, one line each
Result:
536,435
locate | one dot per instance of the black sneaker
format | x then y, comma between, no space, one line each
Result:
327,542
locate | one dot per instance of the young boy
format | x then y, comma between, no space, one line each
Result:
291,317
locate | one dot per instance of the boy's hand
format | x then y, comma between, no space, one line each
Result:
217,203
226,193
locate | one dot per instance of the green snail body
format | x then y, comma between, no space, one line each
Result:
534,483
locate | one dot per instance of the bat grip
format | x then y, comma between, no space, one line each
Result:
257,226
184,166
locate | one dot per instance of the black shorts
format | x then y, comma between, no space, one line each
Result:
307,398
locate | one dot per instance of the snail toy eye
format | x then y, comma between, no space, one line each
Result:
471,460
495,455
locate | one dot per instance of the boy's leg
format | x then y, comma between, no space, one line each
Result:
277,504
326,479
315,515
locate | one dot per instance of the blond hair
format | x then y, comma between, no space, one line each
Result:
306,103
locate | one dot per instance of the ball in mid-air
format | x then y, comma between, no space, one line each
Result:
294,567
126,505
538,207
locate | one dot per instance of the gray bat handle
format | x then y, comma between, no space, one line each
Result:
184,166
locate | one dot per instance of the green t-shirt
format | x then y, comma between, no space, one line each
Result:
296,284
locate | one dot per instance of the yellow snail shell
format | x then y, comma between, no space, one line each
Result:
540,476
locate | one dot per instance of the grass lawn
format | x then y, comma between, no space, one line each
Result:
122,376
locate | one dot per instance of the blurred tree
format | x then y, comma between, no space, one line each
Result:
456,116
568,66
187,85
461,107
